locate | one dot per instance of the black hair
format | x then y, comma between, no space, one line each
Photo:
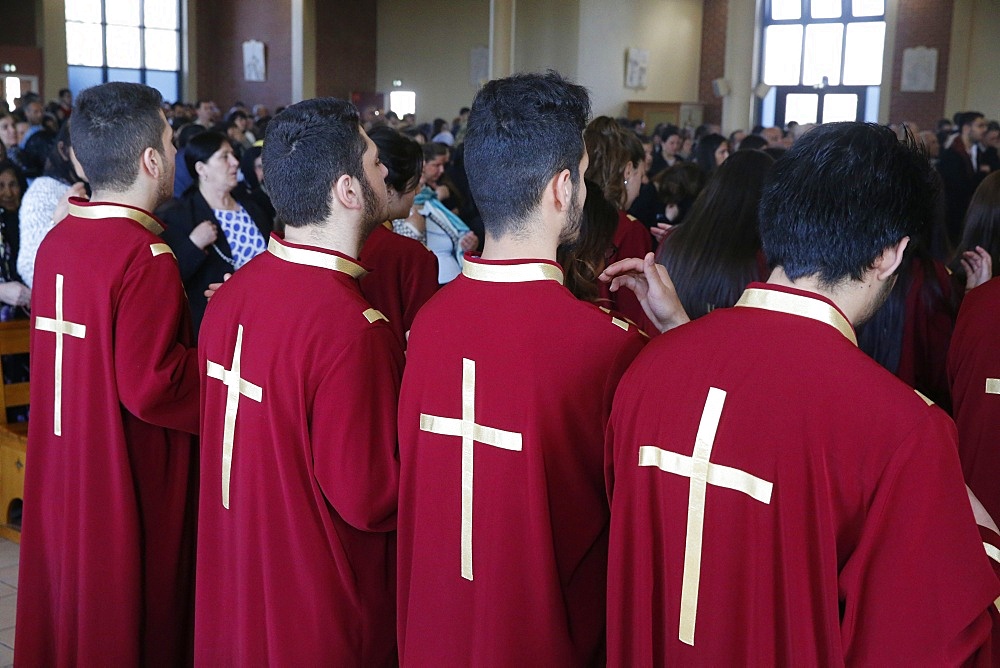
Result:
187,131
58,166
584,259
966,118
433,149
200,148
753,142
716,252
402,157
704,153
982,224
840,196
113,124
309,146
63,91
246,167
523,131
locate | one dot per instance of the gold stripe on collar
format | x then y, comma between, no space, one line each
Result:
114,211
314,259
807,307
513,273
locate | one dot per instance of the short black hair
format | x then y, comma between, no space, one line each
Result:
113,124
753,142
63,91
433,149
523,130
402,157
840,196
309,146
200,148
967,118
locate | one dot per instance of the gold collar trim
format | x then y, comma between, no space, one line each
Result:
96,211
512,273
807,307
314,258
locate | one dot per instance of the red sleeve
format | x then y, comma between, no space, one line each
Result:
918,590
353,430
157,375
618,368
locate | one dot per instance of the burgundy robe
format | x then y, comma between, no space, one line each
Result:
404,275
632,239
927,329
503,532
107,546
974,372
295,545
792,504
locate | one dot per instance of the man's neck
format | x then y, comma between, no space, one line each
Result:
851,297
339,236
134,198
535,240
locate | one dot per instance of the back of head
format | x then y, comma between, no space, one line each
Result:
246,165
839,197
753,142
309,146
523,131
113,124
982,221
403,158
714,254
201,147
610,150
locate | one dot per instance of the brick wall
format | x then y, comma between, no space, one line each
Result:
713,57
921,23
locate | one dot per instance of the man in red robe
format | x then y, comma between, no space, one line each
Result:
974,373
403,277
794,503
298,451
503,518
107,546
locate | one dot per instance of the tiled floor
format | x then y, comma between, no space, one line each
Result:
10,554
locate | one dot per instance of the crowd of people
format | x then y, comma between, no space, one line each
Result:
531,387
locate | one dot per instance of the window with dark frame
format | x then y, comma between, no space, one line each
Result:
124,40
822,60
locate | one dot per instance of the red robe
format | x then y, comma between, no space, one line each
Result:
404,275
974,372
298,569
506,347
107,545
792,504
632,239
927,328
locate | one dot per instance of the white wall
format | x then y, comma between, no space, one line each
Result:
427,45
545,36
669,29
974,66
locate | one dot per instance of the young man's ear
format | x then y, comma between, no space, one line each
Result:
888,262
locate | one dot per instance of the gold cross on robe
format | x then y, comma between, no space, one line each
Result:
470,432
702,473
60,327
235,387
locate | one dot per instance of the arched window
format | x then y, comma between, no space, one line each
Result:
822,59
124,40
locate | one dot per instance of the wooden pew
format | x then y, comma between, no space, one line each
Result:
14,338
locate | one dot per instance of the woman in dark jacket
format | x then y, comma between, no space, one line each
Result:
214,228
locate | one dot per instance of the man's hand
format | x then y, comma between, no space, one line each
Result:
978,267
214,287
652,286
